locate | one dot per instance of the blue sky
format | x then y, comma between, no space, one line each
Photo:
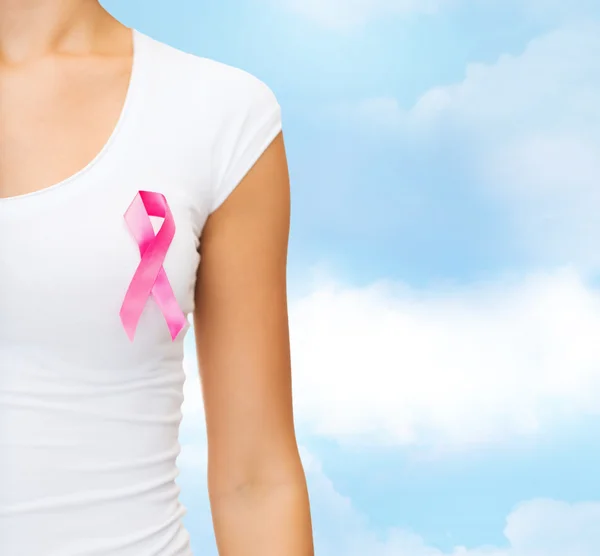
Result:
444,269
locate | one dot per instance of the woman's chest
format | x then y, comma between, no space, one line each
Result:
95,265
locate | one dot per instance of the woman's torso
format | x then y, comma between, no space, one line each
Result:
88,418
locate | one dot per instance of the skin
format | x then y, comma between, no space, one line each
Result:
64,70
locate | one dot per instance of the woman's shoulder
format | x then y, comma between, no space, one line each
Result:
212,115
199,79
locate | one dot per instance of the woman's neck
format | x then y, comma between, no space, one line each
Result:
32,28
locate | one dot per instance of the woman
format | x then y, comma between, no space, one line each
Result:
123,162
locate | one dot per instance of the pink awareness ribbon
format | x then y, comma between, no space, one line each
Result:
150,277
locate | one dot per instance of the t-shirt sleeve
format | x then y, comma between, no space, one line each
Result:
251,121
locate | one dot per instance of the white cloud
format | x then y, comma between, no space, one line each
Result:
444,367
528,127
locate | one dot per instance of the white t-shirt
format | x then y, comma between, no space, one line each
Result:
89,419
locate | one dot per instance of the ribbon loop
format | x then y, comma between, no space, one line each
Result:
150,278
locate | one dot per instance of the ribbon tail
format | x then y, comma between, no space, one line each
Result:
132,308
165,299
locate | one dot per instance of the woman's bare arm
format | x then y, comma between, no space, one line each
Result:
256,481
